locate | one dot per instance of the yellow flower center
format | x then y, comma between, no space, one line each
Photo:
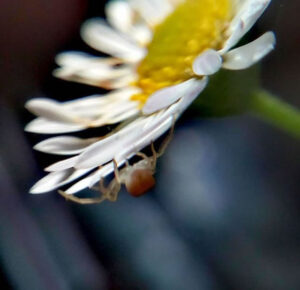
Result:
193,27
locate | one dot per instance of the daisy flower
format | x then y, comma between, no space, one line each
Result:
160,56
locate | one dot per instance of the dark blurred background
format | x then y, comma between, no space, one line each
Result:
223,216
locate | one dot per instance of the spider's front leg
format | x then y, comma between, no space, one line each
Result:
80,200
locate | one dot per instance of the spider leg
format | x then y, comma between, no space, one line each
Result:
111,191
81,200
162,148
150,160
167,139
114,190
102,187
142,155
108,193
154,156
116,171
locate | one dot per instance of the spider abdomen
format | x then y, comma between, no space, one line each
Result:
139,182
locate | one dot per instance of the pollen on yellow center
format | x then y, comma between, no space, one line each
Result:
193,27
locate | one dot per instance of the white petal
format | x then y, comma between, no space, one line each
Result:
167,96
245,18
109,80
50,109
90,107
92,111
90,69
120,108
141,33
139,133
175,2
108,109
102,173
77,59
44,126
122,116
245,56
157,125
64,145
92,179
55,180
100,36
62,165
145,140
153,11
87,106
120,15
118,113
96,71
207,63
78,186
104,150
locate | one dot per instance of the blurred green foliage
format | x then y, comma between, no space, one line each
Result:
228,93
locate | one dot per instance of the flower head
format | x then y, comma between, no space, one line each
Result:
161,53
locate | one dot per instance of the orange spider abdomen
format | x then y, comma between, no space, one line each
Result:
140,181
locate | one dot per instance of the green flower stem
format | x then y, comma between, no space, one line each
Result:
277,112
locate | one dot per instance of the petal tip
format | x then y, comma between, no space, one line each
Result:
207,63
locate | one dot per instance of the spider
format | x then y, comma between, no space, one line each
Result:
138,178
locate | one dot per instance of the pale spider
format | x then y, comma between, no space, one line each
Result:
137,178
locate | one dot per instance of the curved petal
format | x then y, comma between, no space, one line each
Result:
88,112
120,15
56,179
50,110
64,145
157,126
62,165
92,179
145,139
133,137
95,71
100,36
167,96
44,126
247,55
207,63
108,109
152,11
120,112
141,33
246,16
77,59
104,150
